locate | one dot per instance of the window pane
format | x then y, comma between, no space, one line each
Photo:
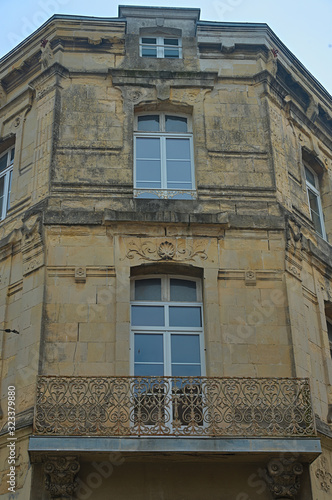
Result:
171,41
176,124
149,348
178,172
149,289
147,315
186,370
148,123
185,349
310,176
9,189
171,53
148,171
185,316
149,52
183,290
2,187
178,149
149,40
314,208
12,154
153,370
3,162
148,147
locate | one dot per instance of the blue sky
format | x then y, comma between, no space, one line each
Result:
304,26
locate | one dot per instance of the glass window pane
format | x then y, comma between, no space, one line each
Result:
153,370
3,162
149,40
317,223
147,316
12,154
176,124
148,123
149,52
185,316
171,41
178,149
2,192
148,170
185,349
149,289
313,200
186,370
178,171
149,348
171,53
310,176
183,290
9,189
148,147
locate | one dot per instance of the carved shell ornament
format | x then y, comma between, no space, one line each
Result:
166,250
154,252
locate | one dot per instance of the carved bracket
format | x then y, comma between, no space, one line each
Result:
61,474
282,477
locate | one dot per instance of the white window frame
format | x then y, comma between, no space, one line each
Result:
167,330
7,175
163,191
314,188
160,46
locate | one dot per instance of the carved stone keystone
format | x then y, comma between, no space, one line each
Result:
282,477
60,475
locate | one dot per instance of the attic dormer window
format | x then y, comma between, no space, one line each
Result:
161,47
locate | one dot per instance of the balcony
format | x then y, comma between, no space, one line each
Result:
174,407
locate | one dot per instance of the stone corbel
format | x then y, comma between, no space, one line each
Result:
60,476
282,477
313,110
3,95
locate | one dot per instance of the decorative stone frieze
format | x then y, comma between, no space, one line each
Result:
166,250
60,476
282,477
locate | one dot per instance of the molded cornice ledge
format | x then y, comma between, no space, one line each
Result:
201,79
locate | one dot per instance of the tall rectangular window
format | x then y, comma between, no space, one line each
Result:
163,157
6,171
314,199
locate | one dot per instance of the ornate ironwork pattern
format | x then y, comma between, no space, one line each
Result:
174,406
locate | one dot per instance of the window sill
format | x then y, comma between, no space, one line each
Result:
165,194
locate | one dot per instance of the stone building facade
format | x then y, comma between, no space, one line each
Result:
166,213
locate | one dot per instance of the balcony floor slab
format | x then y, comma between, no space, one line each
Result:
138,448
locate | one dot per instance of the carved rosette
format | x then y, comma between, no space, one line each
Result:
61,474
282,477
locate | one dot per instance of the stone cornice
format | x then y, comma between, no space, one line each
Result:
202,79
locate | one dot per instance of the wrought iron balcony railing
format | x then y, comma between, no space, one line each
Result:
174,406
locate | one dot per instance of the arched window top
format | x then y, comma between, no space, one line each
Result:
163,122
166,288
